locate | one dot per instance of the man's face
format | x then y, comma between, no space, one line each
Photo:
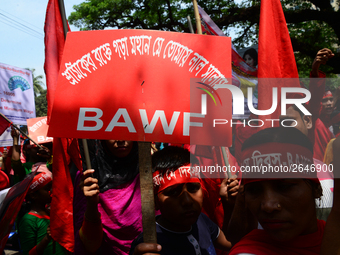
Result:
303,123
327,105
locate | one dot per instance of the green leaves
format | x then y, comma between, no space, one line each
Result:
313,24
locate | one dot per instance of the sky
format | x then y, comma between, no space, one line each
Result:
22,32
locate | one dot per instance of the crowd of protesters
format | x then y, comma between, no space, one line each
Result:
243,213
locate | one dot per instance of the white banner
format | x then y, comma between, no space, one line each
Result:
16,94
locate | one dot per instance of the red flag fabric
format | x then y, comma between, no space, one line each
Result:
10,207
54,46
276,57
4,124
64,150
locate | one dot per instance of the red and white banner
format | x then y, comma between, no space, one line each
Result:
37,130
135,85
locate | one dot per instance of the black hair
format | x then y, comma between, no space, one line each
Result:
171,158
299,111
252,53
289,135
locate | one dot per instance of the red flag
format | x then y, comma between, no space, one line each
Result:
10,207
64,150
4,124
54,46
276,57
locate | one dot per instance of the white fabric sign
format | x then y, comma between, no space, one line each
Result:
16,94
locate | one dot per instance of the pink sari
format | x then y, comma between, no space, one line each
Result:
121,215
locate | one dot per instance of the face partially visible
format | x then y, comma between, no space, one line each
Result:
119,148
31,152
327,105
45,193
303,123
295,214
249,60
180,206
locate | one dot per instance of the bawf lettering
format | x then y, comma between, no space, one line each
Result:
92,116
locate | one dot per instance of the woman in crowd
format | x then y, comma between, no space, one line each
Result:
250,56
107,206
282,200
35,235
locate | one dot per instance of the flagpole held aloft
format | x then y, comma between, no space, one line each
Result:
197,17
63,16
21,132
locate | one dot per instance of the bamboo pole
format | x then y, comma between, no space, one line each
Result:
197,17
190,25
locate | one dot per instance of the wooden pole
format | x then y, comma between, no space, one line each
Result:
86,154
146,190
197,17
190,25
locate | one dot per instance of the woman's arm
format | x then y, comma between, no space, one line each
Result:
17,166
91,232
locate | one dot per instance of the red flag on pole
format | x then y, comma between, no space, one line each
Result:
54,46
276,57
64,149
4,124
10,207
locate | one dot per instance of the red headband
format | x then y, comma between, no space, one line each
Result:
277,161
327,94
184,174
40,180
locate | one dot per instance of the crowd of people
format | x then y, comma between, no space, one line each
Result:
282,212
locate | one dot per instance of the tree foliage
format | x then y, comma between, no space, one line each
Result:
37,82
313,24
41,104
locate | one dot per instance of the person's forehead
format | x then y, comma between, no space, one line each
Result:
291,113
273,183
327,98
180,186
